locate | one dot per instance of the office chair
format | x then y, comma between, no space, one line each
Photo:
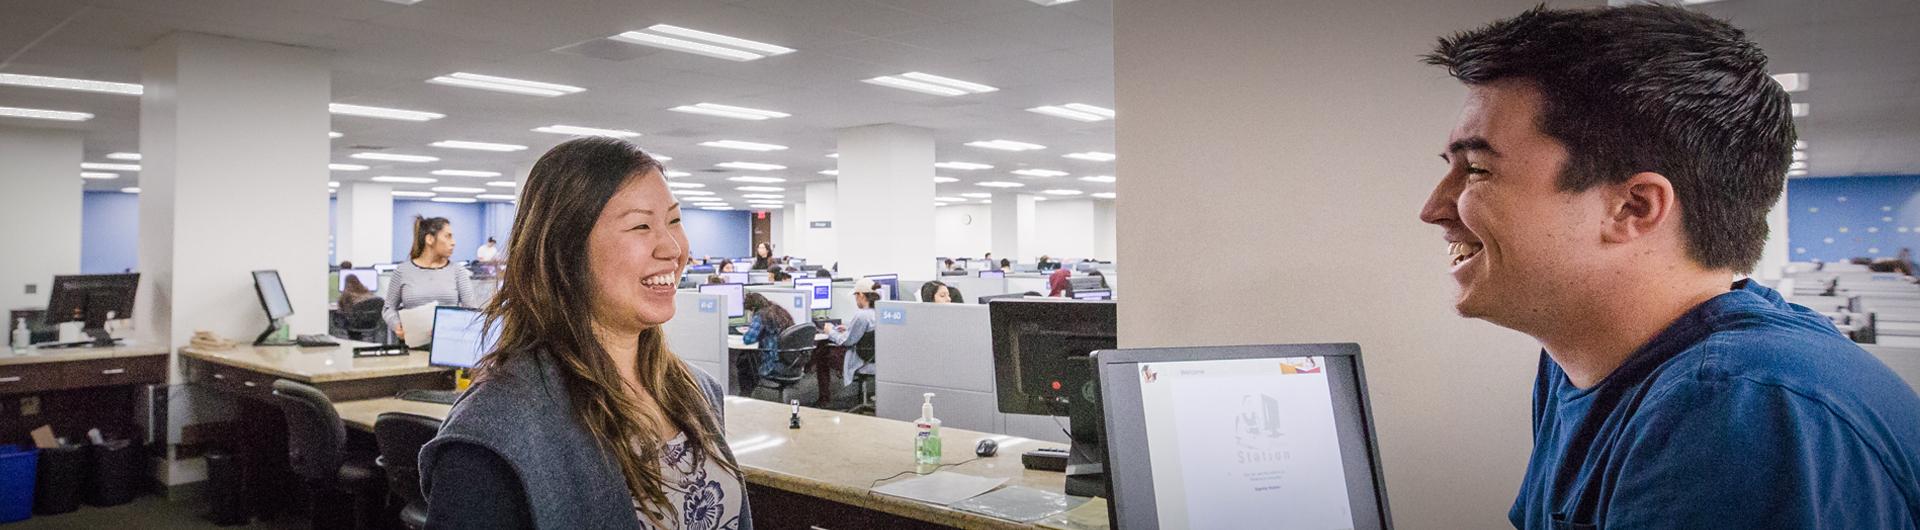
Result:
790,365
864,349
364,320
316,441
401,435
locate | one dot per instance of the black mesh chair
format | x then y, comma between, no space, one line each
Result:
316,441
864,349
401,435
790,365
363,320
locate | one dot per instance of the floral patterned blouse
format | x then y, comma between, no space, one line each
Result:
704,496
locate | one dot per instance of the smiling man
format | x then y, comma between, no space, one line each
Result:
1608,180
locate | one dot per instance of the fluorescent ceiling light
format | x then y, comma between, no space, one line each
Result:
1793,82
1041,173
1798,164
945,180
505,84
729,111
949,199
124,156
503,184
968,86
576,130
1104,195
710,44
830,172
134,190
413,194
1797,173
998,184
1105,179
346,167
382,112
101,166
1799,155
677,174
496,197
1090,109
461,200
692,192
1799,145
465,173
1005,145
1063,192
717,208
404,180
706,200
763,196
757,180
62,83
44,114
394,157
1800,110
760,188
1094,156
98,176
977,195
458,189
1063,112
660,157
963,166
744,146
751,166
478,146
930,84
686,185
333,184
334,134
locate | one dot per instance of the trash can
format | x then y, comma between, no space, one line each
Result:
63,473
17,465
115,466
223,482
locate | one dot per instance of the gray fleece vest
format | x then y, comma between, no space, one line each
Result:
527,419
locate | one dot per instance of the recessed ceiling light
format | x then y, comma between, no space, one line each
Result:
709,44
102,166
1793,82
404,180
1800,110
1799,145
505,84
677,174
413,194
461,200
1094,156
1041,173
496,197
382,112
758,206
98,176
576,130
1799,155
830,172
1104,195
949,199
1090,109
760,188
692,192
977,195
465,173
757,180
346,167
686,185
730,111
1063,192
134,190
945,180
503,184
124,156
930,84
998,184
394,157
1006,145
334,134
1797,173
458,189
62,83
751,166
763,196
833,155
744,146
478,146
717,208
43,114
1106,179
963,166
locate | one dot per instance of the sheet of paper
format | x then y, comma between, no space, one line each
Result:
942,488
419,324
43,437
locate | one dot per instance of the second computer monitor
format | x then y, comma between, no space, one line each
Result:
822,289
460,337
735,295
273,295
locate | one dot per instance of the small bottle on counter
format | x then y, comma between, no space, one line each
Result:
21,336
926,442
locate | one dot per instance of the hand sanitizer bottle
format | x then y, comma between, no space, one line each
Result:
926,443
21,337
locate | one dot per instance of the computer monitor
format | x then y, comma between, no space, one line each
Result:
700,269
460,337
273,299
1234,436
735,294
90,299
735,277
887,284
1042,365
822,289
368,277
1093,294
993,274
759,277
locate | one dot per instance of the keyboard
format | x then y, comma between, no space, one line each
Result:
315,341
443,397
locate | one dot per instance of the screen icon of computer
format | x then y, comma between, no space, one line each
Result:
887,284
822,289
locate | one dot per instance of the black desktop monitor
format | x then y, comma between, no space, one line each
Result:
887,284
993,274
273,298
368,277
1239,437
735,294
460,337
90,298
822,289
1041,365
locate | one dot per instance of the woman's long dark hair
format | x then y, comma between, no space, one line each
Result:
773,318
423,227
542,308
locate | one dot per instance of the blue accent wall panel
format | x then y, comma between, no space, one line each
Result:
718,233
1836,219
109,232
468,225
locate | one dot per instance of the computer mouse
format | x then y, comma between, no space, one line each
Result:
987,447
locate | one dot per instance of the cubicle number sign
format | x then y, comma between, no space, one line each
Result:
709,306
893,317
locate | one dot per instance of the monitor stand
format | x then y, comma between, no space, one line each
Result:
1086,455
273,328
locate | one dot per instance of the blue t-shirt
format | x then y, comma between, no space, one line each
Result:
1747,412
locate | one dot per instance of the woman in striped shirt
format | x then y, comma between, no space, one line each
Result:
428,276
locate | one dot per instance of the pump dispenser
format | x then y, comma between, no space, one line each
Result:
926,443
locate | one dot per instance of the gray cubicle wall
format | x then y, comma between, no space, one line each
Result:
698,333
946,349
1020,283
1903,361
974,287
798,303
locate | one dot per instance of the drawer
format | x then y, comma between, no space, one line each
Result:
115,372
229,379
36,377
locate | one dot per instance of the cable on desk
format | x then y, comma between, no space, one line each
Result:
917,472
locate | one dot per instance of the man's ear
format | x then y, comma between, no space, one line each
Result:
1641,205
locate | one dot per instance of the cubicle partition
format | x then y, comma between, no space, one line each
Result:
798,303
973,287
1020,283
698,333
946,349
1903,361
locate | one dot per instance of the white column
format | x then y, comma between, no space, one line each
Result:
39,212
885,219
793,229
363,232
1105,238
1069,231
1328,225
823,244
1776,256
1013,221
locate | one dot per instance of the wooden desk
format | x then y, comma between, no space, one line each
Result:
819,474
250,370
79,389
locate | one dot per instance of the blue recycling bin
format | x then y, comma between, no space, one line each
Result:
17,474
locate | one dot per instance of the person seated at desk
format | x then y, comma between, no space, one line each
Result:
765,321
354,293
715,278
936,293
762,256
1005,265
823,273
842,338
725,266
776,275
426,277
1058,284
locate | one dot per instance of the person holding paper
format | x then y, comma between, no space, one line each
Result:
427,276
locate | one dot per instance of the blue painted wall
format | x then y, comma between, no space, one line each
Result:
1835,219
718,233
109,232
469,229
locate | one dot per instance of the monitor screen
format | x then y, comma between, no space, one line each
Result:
460,337
1093,294
887,284
368,277
273,295
1223,437
993,274
822,289
757,277
735,277
736,295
